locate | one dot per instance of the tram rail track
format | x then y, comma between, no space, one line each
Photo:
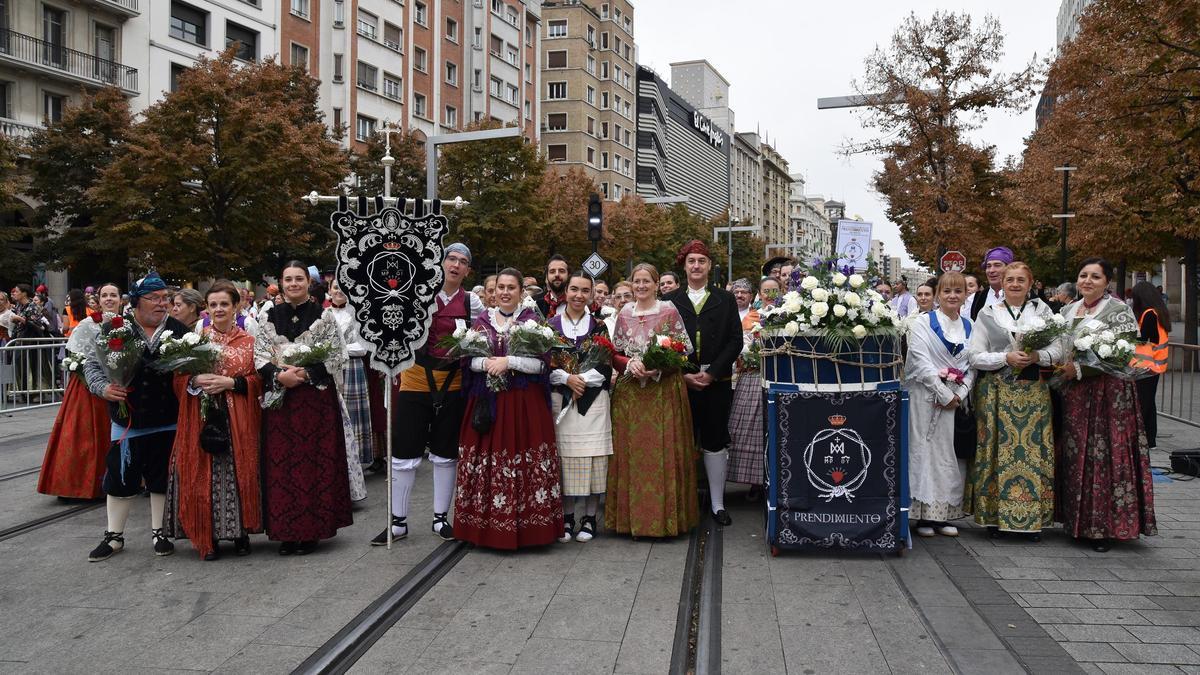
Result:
49,519
349,644
697,644
19,474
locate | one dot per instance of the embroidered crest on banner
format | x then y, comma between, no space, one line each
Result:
389,265
837,460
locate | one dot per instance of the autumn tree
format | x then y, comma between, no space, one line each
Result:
504,222
15,260
1127,115
933,85
209,183
65,161
564,195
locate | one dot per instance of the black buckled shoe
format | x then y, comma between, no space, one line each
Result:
568,529
722,518
241,546
287,548
397,521
113,543
1101,545
162,545
442,527
306,547
215,553
587,529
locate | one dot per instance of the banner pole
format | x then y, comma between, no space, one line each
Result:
387,454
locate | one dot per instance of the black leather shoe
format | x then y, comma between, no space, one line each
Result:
287,548
1034,537
1101,545
442,527
397,521
215,553
994,532
722,518
241,546
306,547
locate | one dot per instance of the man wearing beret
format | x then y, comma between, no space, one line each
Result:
142,436
711,317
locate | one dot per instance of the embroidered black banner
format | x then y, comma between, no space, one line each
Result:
835,468
389,265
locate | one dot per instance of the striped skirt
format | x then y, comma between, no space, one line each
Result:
358,408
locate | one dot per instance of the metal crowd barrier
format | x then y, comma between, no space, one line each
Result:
1177,388
30,374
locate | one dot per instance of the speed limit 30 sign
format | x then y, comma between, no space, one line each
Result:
595,265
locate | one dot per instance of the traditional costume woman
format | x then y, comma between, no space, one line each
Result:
1012,476
507,492
747,450
74,462
585,429
306,492
935,372
354,384
214,491
1106,489
652,475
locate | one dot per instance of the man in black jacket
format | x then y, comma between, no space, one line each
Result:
142,436
710,315
994,263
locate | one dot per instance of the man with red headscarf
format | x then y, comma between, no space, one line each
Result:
711,317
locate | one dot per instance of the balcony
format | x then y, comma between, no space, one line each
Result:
126,8
13,129
67,64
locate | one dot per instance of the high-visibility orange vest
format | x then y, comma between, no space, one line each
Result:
1152,355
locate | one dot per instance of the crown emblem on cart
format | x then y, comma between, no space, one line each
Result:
837,420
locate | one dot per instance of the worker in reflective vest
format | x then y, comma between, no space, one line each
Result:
1154,321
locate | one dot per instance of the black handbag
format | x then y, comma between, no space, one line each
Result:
214,435
481,416
965,439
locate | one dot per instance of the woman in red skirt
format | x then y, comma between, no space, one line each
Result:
507,494
74,461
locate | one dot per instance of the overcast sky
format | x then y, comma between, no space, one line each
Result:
779,56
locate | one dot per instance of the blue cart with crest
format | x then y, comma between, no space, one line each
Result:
837,444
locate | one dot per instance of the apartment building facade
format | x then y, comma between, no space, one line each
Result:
589,91
776,182
50,51
809,225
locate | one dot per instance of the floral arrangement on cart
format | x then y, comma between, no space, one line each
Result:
830,328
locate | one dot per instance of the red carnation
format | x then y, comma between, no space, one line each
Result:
96,317
116,345
117,322
678,346
605,343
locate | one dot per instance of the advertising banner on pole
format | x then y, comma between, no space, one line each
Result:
853,244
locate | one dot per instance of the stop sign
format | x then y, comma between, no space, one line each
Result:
953,261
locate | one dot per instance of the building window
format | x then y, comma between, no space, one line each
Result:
339,13
604,11
604,160
510,94
364,129
176,71
604,40
419,105
451,116
557,29
189,24
477,40
556,153
393,36
367,75
529,72
591,126
591,64
245,39
368,25
604,70
300,56
337,119
477,80
420,14
337,67
604,190
393,87
419,60
556,91
591,36
528,110
556,59
451,30
591,156
603,128
451,74
591,95
496,87
604,100
511,55
556,122
497,46
627,53
628,139
300,8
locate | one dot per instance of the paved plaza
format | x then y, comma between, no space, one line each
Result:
971,605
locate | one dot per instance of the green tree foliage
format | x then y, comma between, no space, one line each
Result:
408,173
66,159
14,253
208,184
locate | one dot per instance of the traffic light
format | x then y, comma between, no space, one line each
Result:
595,226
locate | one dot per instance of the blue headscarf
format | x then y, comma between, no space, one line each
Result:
145,286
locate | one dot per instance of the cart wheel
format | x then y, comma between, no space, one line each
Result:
774,551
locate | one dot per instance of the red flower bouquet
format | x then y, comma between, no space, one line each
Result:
119,351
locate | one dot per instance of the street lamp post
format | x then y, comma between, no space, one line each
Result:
1066,213
730,229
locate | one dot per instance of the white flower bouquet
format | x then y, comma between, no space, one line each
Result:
1098,347
830,303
